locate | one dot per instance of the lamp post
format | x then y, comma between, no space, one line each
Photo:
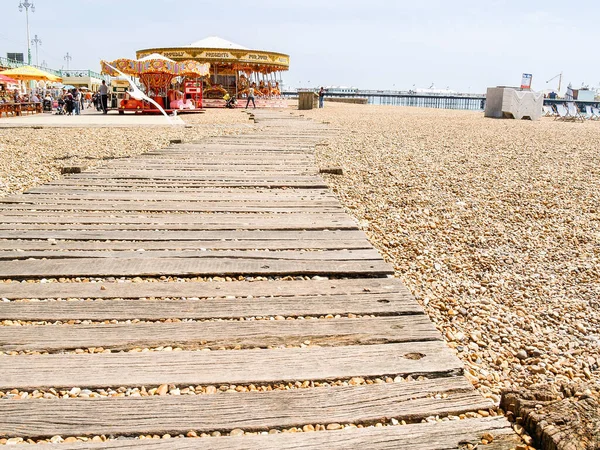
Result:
67,59
25,4
44,64
36,41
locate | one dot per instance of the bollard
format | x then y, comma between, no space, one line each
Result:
332,170
72,169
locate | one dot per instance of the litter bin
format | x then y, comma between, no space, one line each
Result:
306,99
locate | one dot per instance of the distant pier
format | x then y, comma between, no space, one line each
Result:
407,98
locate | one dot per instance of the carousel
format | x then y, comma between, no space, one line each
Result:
233,70
175,86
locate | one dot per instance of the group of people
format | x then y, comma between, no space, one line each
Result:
15,96
69,102
73,102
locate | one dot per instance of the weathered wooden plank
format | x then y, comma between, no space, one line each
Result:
187,368
257,223
450,435
166,244
282,226
215,334
221,171
187,235
191,176
157,206
185,184
240,194
204,290
100,267
180,204
153,309
214,191
137,218
251,411
267,255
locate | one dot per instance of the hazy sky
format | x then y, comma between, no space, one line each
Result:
465,45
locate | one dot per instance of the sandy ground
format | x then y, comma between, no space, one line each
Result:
494,225
29,157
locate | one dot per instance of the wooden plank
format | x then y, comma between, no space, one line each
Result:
227,366
281,226
184,184
186,235
153,309
267,255
157,206
215,334
100,267
251,411
183,205
216,191
450,435
275,201
224,171
191,176
131,217
269,195
288,244
203,290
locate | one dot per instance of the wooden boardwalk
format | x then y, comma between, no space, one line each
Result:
217,288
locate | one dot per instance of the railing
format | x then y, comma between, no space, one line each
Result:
74,73
12,64
404,98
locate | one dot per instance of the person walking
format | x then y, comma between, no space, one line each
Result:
251,96
321,97
76,102
69,103
104,96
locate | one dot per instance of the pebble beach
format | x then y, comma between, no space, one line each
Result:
493,225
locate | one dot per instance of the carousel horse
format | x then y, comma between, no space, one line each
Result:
264,90
276,91
214,90
243,83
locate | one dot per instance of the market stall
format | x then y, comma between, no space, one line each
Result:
162,79
234,69
27,77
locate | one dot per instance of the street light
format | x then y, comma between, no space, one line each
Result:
36,41
25,4
67,59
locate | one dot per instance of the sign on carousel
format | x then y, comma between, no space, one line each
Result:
216,54
178,54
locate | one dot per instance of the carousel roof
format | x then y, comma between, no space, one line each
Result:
217,42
